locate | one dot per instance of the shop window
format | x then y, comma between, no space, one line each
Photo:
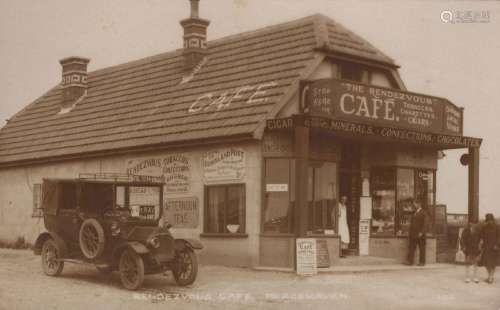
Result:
279,195
383,185
37,200
322,197
225,209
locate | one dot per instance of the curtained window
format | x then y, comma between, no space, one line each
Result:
225,209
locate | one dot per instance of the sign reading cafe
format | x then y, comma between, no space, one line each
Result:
224,165
176,170
350,101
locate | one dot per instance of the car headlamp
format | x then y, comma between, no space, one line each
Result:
115,229
155,242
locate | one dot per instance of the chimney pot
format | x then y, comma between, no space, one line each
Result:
195,37
74,79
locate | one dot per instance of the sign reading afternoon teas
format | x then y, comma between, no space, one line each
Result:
346,100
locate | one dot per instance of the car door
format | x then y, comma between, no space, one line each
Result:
68,218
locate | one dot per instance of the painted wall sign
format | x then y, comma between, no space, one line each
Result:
277,144
247,94
182,212
306,257
224,165
176,170
381,106
333,125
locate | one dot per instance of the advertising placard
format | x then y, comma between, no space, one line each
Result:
364,237
306,257
226,164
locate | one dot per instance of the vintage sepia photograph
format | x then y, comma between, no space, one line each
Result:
249,154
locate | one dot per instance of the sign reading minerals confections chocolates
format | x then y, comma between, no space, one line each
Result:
367,104
226,164
176,170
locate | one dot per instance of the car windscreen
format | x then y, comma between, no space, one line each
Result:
144,202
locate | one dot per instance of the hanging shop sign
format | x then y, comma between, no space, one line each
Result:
368,104
386,133
182,212
226,164
175,169
306,256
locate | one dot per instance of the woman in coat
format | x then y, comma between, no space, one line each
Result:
490,235
469,243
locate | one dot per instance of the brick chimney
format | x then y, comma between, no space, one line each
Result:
195,37
74,79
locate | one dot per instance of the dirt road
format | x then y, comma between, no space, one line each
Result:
24,286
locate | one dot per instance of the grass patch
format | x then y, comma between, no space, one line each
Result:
19,244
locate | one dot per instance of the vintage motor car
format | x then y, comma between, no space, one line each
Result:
113,222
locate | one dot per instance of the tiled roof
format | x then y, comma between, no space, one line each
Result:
142,103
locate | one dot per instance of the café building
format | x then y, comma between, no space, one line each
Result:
257,136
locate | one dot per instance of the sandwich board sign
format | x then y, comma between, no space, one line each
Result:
306,257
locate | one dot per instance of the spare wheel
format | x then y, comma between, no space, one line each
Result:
91,238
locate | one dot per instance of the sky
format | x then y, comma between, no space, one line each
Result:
458,61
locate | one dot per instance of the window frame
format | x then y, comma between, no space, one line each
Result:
37,210
430,207
226,186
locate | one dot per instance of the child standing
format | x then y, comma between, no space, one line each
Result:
469,243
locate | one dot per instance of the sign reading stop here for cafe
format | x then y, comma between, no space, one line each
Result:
368,104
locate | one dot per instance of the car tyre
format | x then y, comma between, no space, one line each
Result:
131,267
91,238
50,254
186,267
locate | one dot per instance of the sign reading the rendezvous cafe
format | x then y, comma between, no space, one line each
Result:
367,104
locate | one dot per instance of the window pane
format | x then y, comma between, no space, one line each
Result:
145,202
383,195
381,79
406,194
216,198
277,214
235,209
120,196
351,72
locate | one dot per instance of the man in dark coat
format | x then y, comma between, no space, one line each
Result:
418,227
490,235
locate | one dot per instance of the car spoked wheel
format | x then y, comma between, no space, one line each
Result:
91,238
50,254
186,267
131,268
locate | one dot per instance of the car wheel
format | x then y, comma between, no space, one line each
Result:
91,238
185,267
50,254
131,269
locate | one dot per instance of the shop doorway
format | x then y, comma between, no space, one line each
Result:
350,187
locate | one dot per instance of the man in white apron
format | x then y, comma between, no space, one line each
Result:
342,223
